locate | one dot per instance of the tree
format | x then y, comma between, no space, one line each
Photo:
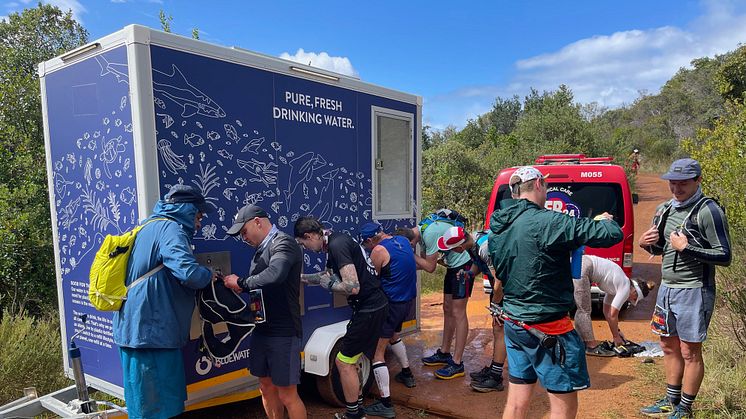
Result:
731,76
552,123
165,20
26,254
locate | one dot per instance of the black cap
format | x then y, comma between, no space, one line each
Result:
186,194
247,213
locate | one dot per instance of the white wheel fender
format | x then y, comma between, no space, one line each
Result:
319,346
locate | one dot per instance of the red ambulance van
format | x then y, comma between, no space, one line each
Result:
580,186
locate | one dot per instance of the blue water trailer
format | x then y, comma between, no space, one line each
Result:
133,113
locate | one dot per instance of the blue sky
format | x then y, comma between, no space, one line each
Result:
459,58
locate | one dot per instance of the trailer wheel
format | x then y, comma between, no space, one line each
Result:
330,386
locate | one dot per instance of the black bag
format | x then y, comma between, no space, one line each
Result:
218,304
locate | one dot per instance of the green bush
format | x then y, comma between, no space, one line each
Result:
432,282
30,356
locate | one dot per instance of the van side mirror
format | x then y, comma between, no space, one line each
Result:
635,198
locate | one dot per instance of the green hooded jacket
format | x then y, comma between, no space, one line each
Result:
530,250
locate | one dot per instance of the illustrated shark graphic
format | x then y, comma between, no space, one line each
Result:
177,89
117,70
302,168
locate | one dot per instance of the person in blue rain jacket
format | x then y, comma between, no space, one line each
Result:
153,324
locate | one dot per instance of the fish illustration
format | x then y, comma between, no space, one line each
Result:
127,195
230,131
177,89
194,140
118,70
166,119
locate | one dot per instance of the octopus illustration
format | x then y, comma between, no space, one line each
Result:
261,171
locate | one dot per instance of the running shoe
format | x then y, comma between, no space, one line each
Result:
681,412
599,350
343,415
406,379
380,409
481,374
661,408
452,370
491,383
438,358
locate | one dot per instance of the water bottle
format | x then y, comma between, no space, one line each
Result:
576,262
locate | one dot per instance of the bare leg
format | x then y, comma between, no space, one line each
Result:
449,325
694,367
583,323
563,406
350,381
672,359
461,327
498,344
519,395
271,399
290,399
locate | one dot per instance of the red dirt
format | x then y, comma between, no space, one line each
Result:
617,387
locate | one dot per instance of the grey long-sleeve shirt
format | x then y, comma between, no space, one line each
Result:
709,245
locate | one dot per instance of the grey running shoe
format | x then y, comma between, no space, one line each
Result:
481,374
491,383
599,350
406,379
379,409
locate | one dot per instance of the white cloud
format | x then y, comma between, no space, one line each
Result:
74,5
77,8
613,69
341,65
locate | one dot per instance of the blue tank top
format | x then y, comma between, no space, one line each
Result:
399,276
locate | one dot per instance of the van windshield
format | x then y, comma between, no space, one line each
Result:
580,199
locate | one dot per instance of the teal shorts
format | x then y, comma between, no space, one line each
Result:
529,361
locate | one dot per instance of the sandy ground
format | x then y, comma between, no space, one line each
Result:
617,388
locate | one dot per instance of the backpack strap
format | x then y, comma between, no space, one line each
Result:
153,271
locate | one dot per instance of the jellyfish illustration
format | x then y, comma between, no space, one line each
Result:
173,161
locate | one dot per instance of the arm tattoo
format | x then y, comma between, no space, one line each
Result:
315,278
349,285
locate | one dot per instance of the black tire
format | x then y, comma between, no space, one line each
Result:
330,386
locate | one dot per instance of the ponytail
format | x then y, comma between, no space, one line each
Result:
645,286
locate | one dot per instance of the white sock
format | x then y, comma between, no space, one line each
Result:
382,378
400,351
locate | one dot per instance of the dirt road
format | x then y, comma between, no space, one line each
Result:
617,390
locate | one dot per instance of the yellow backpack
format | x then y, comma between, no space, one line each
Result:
107,290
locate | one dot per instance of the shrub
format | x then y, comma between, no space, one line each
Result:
432,282
30,355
